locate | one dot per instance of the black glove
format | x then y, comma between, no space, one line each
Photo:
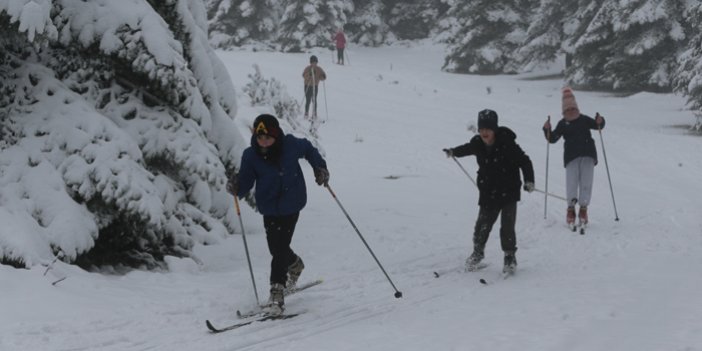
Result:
233,185
529,187
449,152
321,176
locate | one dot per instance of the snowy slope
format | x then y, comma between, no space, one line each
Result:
626,285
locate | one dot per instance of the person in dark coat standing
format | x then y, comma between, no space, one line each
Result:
340,41
311,76
271,163
579,154
499,159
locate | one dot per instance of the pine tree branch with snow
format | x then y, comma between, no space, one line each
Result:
117,116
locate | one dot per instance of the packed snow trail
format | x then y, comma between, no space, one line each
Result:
625,285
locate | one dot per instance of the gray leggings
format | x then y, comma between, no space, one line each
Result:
579,176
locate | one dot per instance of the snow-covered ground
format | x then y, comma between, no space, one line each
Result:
632,284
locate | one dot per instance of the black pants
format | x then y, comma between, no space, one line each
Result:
340,55
483,225
310,94
279,233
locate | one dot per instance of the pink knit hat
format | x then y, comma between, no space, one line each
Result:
569,99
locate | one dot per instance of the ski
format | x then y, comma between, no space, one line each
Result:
503,275
271,317
480,266
301,287
287,292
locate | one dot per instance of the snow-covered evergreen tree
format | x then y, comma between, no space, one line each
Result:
366,25
628,45
239,22
548,28
414,19
311,23
688,79
117,132
488,35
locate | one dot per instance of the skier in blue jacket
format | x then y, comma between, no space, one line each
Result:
272,164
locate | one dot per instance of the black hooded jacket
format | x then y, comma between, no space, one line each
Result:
577,136
498,176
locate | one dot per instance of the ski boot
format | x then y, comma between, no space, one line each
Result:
510,263
276,302
582,216
570,218
473,261
294,271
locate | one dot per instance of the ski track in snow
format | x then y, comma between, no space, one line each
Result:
625,285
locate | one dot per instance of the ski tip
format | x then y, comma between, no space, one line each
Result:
210,326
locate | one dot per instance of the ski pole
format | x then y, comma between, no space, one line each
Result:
611,190
398,294
551,195
535,189
348,58
315,90
548,144
304,96
326,108
464,171
246,248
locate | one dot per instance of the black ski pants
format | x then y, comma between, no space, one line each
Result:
279,233
340,55
487,218
311,97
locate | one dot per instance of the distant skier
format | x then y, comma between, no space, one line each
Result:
271,163
312,75
340,41
499,159
579,154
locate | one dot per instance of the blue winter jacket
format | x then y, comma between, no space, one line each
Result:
280,184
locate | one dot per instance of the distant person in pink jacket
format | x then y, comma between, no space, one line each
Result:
340,40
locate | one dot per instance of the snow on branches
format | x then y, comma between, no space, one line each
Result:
117,137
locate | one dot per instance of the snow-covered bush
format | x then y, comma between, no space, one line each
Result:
117,133
271,92
273,97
